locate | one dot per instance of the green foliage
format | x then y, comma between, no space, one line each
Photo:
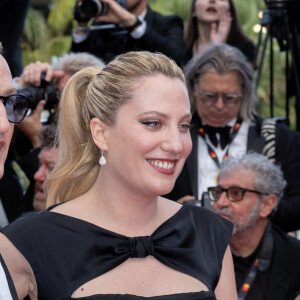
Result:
174,7
47,33
35,31
61,16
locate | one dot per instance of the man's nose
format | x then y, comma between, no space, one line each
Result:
219,104
223,201
40,175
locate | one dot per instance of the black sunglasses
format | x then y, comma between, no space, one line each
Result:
16,107
233,194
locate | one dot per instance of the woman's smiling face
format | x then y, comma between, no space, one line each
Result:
149,143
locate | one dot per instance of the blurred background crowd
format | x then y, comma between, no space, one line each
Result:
241,61
48,34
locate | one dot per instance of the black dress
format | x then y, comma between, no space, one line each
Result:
66,252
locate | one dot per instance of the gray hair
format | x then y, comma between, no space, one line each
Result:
222,59
74,62
268,177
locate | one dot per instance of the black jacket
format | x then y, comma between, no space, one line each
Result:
278,273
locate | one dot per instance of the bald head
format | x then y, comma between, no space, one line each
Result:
6,128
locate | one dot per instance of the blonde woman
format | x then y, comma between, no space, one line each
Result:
108,234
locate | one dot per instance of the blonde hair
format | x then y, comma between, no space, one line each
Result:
95,93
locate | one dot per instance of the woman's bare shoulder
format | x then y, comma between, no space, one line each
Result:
19,269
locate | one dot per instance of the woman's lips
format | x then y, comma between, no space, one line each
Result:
163,166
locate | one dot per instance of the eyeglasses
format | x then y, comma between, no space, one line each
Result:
16,107
211,98
233,194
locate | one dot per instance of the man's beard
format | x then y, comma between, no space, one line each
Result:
242,223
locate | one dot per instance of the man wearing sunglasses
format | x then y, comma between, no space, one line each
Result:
10,112
226,124
266,260
13,109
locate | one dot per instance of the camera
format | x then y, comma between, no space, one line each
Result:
46,91
203,202
95,8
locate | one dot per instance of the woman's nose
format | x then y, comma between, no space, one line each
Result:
172,141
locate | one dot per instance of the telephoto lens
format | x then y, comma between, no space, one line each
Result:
93,8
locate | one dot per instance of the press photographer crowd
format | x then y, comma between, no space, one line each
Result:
136,166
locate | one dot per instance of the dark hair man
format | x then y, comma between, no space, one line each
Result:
48,158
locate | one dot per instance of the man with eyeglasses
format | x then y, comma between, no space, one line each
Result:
266,260
226,124
12,110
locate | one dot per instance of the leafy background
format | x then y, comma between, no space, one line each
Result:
49,24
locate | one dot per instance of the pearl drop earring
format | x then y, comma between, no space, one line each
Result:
102,160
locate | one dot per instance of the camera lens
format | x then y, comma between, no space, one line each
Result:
93,8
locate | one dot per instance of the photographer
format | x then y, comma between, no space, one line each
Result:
136,27
26,143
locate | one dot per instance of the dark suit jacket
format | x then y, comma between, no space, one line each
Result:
163,34
287,156
280,272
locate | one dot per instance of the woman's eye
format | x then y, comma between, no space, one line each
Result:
153,124
185,126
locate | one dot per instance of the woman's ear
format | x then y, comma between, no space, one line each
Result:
268,203
98,130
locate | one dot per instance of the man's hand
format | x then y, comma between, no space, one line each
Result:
32,74
117,14
219,34
32,126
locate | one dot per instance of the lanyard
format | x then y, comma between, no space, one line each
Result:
211,151
248,281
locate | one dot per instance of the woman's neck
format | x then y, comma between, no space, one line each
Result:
203,40
124,210
204,30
